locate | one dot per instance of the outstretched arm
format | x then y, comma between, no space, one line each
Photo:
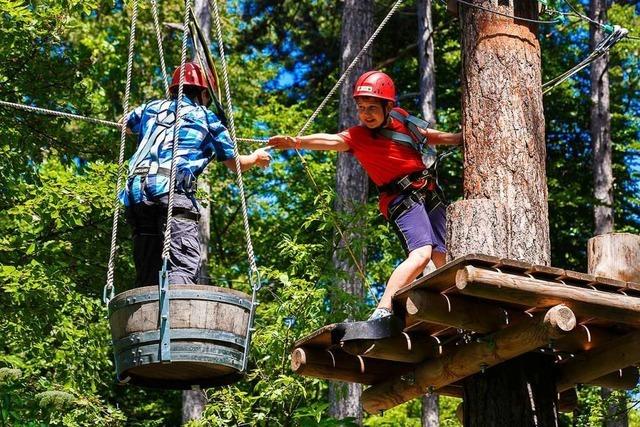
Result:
436,137
317,141
259,158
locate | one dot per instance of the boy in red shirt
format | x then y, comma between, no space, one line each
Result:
391,155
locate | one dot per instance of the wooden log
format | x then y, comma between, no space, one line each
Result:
622,379
485,229
568,400
411,348
523,290
617,354
337,365
583,338
615,256
471,358
457,312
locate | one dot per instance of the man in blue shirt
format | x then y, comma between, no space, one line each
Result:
201,138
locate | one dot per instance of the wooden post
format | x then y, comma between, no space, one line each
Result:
471,358
615,256
516,289
617,354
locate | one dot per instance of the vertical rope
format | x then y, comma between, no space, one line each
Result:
232,131
176,133
156,24
109,288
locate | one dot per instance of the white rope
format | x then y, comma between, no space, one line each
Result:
232,130
109,288
163,67
176,133
253,140
350,67
58,113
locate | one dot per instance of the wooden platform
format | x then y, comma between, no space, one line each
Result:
478,311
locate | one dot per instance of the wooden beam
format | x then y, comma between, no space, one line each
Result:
471,358
411,348
452,7
583,338
622,379
617,354
523,290
458,312
337,365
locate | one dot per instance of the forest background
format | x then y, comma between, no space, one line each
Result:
58,179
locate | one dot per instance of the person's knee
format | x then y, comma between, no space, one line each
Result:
421,256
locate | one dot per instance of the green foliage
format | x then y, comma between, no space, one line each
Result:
58,191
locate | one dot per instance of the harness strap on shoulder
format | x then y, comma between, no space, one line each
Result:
398,137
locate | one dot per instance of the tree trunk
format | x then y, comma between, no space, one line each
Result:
602,170
601,126
351,181
194,401
430,413
503,128
616,256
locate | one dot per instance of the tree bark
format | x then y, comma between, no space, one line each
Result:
194,401
503,123
503,127
351,182
430,413
601,126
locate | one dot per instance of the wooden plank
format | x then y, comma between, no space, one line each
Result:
546,272
586,303
337,365
443,278
469,359
319,338
617,354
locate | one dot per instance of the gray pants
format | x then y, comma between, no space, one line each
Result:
148,222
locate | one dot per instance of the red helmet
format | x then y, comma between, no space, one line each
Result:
193,76
375,84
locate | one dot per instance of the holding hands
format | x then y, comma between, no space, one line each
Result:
284,142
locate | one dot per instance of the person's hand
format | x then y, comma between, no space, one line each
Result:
262,158
282,142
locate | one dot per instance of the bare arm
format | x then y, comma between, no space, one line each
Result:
436,137
317,141
259,158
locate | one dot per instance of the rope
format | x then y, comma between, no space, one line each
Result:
109,289
335,87
163,67
350,67
232,130
166,246
58,113
535,21
607,43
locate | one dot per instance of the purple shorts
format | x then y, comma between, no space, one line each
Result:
417,228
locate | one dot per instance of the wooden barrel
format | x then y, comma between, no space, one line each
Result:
208,327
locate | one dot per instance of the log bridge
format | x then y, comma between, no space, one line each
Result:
476,312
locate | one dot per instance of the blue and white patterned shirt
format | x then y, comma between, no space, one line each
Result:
202,137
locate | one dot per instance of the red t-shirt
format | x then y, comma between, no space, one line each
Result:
383,160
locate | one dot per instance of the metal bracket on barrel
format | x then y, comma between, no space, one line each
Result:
163,315
256,284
